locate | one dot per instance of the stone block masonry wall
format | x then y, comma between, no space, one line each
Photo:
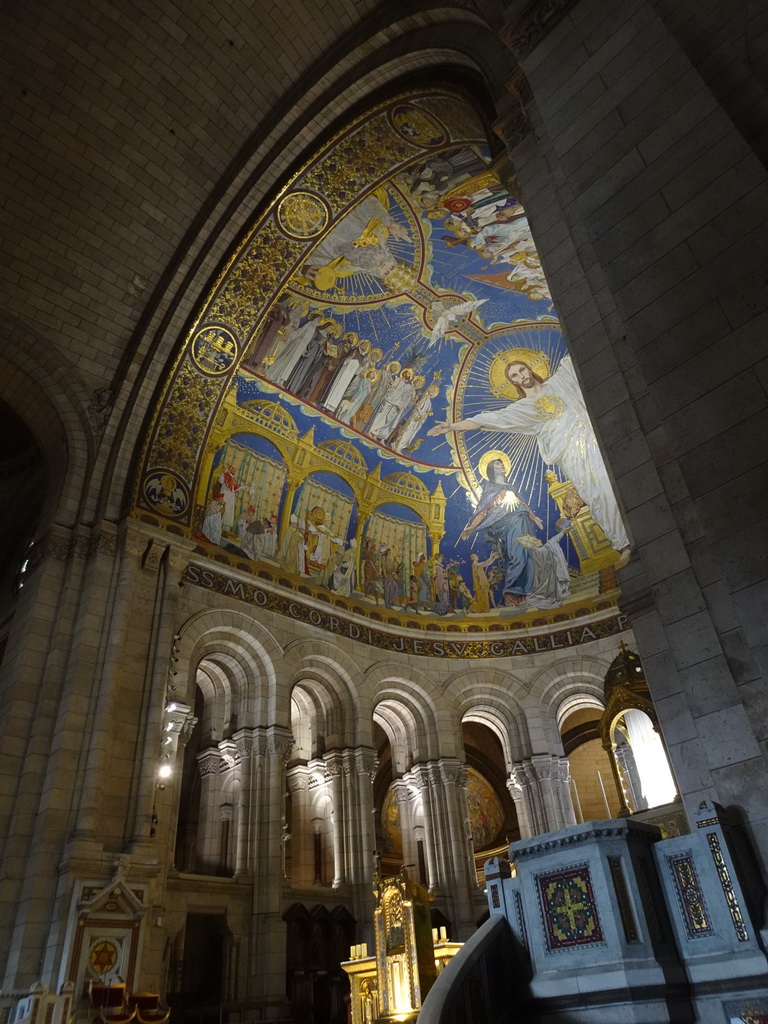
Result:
649,207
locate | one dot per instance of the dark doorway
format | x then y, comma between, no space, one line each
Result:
197,983
316,986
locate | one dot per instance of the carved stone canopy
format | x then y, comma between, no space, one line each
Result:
626,689
626,672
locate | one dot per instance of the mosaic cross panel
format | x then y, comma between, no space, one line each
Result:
568,908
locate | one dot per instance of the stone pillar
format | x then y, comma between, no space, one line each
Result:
226,838
302,846
317,851
622,212
267,965
543,794
230,814
458,841
422,875
418,776
363,841
209,765
517,790
160,706
404,797
249,750
446,833
334,767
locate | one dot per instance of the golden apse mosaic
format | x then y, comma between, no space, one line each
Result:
375,405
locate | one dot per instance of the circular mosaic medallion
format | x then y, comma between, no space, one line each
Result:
103,956
166,493
417,126
302,214
214,350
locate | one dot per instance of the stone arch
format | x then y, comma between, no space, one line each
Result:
41,388
238,656
320,713
413,715
492,698
324,679
462,45
575,684
558,688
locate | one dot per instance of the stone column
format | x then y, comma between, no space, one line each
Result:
419,778
159,700
302,844
363,842
317,851
516,784
402,793
422,875
334,767
230,813
249,751
446,833
226,838
544,793
209,765
267,965
457,840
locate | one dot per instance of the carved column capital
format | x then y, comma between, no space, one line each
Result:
230,755
250,743
297,778
453,772
401,790
334,764
208,762
549,767
366,762
179,720
279,743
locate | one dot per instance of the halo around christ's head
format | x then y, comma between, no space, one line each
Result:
500,386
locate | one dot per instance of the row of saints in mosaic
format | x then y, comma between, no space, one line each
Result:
400,424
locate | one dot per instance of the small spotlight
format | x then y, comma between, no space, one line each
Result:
165,771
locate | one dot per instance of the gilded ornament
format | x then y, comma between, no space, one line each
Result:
549,407
303,214
103,957
417,126
214,350
166,493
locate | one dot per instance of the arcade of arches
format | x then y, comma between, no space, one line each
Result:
372,379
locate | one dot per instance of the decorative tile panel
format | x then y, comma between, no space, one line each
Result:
521,919
689,896
568,908
622,899
725,881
